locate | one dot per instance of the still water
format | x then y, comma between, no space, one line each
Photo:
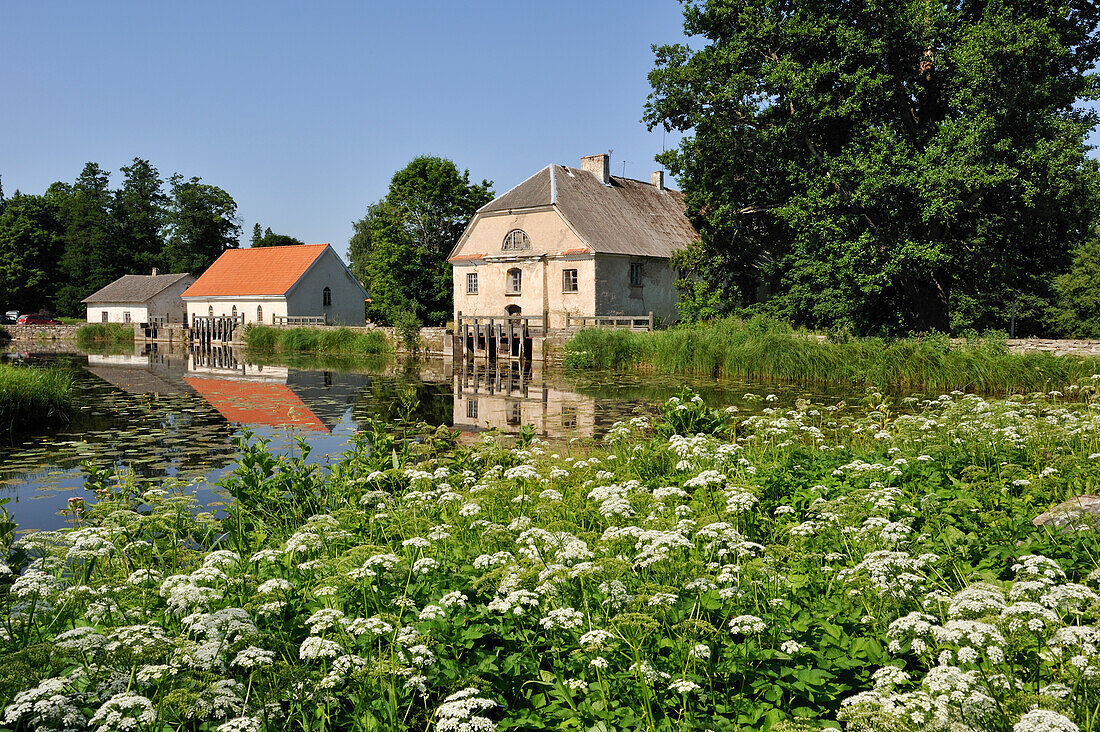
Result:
158,413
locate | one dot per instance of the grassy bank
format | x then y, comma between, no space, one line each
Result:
697,571
262,338
34,397
104,334
760,351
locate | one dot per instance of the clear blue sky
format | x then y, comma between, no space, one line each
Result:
302,111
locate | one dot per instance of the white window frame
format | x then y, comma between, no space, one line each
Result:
471,283
516,239
570,281
515,281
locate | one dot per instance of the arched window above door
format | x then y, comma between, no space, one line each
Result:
516,239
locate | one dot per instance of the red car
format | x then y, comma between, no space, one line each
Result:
30,319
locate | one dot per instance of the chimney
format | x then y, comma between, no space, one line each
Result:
154,271
599,166
657,178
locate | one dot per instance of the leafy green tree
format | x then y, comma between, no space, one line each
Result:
140,212
1077,308
271,239
91,258
31,241
399,249
885,167
201,223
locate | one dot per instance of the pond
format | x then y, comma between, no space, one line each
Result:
158,413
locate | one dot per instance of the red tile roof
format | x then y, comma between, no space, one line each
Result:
463,257
259,271
257,403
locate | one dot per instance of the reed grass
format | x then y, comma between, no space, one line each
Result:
101,334
262,338
765,351
34,397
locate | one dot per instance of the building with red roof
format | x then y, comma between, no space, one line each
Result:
263,284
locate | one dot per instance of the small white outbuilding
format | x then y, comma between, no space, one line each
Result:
140,299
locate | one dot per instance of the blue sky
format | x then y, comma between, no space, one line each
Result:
303,111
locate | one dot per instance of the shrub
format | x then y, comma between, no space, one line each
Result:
104,334
407,326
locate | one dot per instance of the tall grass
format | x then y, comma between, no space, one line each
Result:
33,397
262,338
764,351
104,334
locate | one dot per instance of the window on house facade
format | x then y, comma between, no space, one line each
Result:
569,280
471,283
515,413
326,297
259,313
471,408
234,312
210,311
515,281
103,317
126,317
516,239
635,274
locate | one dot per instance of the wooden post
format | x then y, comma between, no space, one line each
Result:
651,320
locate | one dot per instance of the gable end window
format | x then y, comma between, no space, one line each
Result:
515,281
471,283
104,317
326,297
635,274
516,239
569,280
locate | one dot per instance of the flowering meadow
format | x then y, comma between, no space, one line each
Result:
871,566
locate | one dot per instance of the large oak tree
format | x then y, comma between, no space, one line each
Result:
884,165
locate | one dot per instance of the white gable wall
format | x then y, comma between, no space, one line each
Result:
306,297
116,312
274,305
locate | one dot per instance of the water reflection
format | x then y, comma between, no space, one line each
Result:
160,412
507,395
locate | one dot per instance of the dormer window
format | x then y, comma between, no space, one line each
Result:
515,240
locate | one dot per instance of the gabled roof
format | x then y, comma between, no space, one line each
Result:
134,288
258,271
626,217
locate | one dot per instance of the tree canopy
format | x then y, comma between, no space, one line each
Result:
60,247
884,166
399,248
268,238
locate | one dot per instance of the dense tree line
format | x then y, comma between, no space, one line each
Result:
59,247
399,248
886,167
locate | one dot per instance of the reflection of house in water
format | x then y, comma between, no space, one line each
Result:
508,395
159,372
244,393
272,396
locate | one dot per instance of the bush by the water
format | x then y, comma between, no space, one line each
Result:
698,571
264,338
765,350
104,334
34,397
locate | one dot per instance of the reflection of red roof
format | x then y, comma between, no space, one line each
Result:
259,271
257,403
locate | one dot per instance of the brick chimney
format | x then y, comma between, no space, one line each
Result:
599,166
657,178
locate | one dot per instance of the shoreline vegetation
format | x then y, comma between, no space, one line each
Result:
100,335
695,570
32,397
760,349
265,339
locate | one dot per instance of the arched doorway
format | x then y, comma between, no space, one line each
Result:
513,310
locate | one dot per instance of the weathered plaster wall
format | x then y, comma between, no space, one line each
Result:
615,295
245,306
